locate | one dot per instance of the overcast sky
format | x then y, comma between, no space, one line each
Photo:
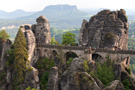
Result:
37,5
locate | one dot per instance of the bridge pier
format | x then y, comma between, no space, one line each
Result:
89,57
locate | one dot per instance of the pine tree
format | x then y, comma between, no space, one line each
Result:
20,56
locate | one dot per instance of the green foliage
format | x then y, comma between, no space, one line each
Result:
43,65
53,41
10,57
128,70
29,88
105,73
126,84
44,80
68,38
20,57
4,35
85,66
69,61
2,75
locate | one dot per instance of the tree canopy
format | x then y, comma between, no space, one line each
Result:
4,35
20,56
53,41
68,38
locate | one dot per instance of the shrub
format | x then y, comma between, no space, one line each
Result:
29,88
69,61
126,84
104,73
43,65
85,66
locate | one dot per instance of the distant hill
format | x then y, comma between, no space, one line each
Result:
61,16
15,14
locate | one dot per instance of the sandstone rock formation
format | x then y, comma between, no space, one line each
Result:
30,38
107,29
5,74
115,85
4,46
53,79
41,30
31,78
76,79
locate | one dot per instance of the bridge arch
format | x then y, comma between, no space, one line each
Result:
54,54
69,55
98,58
46,53
39,52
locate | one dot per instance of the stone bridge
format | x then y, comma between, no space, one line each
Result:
83,52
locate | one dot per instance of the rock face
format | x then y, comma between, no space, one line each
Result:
76,79
4,46
30,38
115,85
5,77
42,30
53,79
107,29
31,78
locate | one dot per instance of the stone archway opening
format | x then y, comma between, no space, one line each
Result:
54,54
38,53
69,56
98,58
46,53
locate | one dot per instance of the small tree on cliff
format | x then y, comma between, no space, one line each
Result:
20,56
68,38
4,35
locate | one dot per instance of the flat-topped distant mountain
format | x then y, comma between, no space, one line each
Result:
60,17
59,12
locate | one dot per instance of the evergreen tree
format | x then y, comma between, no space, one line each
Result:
4,35
20,56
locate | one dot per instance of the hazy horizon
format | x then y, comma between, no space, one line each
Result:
38,5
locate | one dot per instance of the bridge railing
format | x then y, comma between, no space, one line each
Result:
84,48
114,51
63,47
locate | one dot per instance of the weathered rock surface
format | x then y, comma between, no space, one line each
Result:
107,29
115,85
76,79
30,38
4,46
42,30
53,79
32,79
5,76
